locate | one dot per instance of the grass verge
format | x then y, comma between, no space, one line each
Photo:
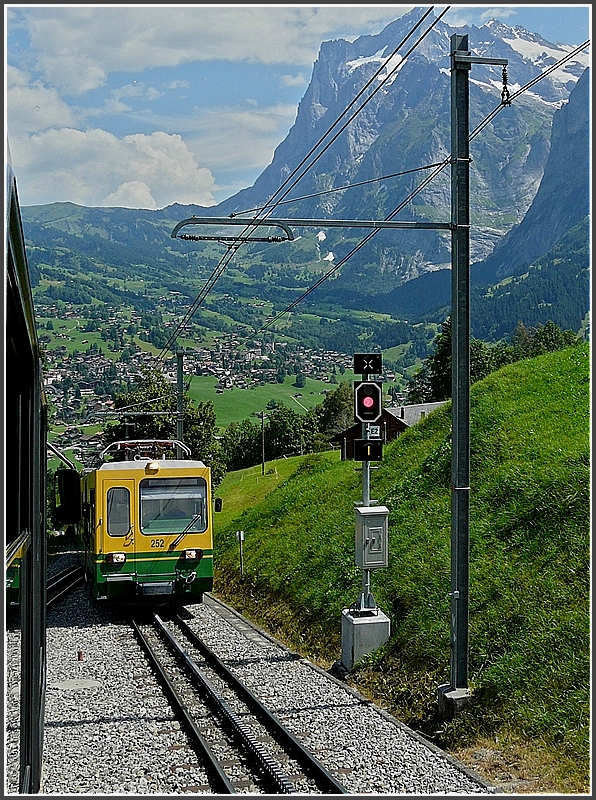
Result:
527,724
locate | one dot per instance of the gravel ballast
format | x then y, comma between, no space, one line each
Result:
109,728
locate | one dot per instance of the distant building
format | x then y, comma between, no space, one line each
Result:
392,424
414,413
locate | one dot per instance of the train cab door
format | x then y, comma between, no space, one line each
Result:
119,538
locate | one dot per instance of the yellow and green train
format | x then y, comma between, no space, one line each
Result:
15,552
146,529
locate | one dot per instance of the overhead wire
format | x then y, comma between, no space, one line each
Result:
269,207
439,166
343,188
216,273
222,265
123,409
529,85
249,228
418,189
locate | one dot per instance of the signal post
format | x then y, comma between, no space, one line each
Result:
364,626
454,695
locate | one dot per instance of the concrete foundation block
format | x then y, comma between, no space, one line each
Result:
361,633
451,701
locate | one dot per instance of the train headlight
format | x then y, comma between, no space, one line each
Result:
152,466
115,558
193,555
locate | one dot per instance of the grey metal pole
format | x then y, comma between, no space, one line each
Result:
367,598
240,535
460,360
263,442
365,471
180,404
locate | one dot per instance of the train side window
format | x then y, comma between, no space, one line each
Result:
118,511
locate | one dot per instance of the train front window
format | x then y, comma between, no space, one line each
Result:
173,505
118,511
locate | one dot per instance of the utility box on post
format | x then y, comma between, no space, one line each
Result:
371,536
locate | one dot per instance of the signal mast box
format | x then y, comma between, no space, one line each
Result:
372,523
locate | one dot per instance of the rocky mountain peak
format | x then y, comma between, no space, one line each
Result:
403,124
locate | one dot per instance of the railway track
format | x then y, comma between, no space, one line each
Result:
62,583
242,745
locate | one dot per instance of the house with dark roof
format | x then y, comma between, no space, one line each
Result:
393,422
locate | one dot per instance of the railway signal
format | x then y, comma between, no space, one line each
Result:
368,406
368,363
368,450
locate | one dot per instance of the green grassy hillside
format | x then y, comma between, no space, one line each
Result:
529,567
235,405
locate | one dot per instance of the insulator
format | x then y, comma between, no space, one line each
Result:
505,96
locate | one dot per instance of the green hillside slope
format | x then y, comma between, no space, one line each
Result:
529,566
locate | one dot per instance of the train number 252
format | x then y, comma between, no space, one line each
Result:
157,543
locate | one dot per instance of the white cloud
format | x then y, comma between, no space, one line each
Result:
114,105
81,166
292,80
132,194
458,16
111,108
227,137
32,107
137,90
76,47
177,84
498,12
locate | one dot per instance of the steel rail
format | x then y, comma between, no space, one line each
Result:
60,584
298,750
248,741
221,782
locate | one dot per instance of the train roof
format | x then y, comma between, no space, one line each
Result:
141,464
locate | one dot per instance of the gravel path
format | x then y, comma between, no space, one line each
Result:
109,729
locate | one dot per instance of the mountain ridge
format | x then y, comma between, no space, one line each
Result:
562,199
406,125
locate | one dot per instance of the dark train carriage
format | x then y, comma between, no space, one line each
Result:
25,471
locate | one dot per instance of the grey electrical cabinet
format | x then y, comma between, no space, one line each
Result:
371,536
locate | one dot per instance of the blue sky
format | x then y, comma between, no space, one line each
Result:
146,105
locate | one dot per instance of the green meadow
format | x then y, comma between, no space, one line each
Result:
529,570
235,404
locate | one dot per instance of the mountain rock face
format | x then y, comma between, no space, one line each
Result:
405,125
528,177
563,198
554,231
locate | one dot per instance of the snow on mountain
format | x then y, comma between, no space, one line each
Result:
404,123
541,53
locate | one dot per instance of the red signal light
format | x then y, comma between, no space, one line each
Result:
368,406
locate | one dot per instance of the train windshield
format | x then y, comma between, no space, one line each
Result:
173,505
